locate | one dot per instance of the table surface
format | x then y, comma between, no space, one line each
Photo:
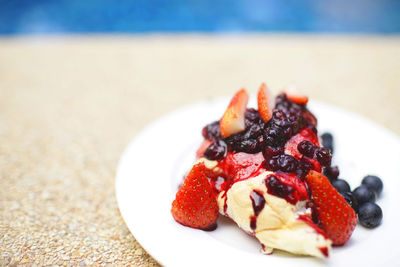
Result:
69,105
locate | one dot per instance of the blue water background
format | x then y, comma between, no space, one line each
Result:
141,16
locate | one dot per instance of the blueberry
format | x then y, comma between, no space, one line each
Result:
239,143
217,150
327,141
252,115
271,151
276,187
287,163
271,164
373,183
260,141
273,136
363,194
211,131
331,172
303,168
295,121
248,146
370,215
324,156
351,200
253,132
279,117
281,98
306,148
287,131
341,186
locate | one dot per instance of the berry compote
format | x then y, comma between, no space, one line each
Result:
288,141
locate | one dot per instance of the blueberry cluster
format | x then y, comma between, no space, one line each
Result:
360,199
308,149
287,120
218,149
287,163
252,139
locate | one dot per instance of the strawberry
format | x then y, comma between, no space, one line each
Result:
195,204
298,99
265,102
293,95
233,119
337,217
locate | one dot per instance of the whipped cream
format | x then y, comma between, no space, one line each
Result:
276,223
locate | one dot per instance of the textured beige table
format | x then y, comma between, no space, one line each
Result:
70,105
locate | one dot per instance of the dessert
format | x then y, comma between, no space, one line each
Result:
262,168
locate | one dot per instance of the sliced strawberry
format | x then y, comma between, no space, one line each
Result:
203,147
265,102
195,204
293,95
298,99
233,120
337,217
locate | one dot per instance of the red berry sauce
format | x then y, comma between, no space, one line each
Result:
286,145
258,202
324,251
308,220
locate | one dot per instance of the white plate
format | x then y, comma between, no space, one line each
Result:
153,165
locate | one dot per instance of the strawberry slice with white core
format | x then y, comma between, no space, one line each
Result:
265,102
293,95
298,99
233,120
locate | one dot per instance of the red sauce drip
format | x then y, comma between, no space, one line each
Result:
324,251
253,222
235,167
219,181
258,202
307,219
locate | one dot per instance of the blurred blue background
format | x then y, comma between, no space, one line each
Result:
138,16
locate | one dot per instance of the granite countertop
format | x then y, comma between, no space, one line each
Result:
70,105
